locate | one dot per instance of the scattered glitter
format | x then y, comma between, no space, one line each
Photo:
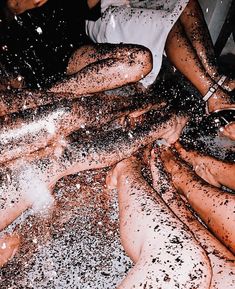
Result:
39,30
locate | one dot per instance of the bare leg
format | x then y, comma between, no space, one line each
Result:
164,253
222,260
195,27
43,168
215,207
196,30
181,53
213,171
103,67
33,129
190,34
187,51
95,67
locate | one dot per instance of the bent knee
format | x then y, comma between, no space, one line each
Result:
144,58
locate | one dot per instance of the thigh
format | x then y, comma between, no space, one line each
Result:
93,53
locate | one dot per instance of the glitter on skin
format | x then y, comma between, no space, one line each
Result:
50,274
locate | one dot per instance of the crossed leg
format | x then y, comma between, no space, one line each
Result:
32,129
190,34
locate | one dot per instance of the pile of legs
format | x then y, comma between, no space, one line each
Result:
168,244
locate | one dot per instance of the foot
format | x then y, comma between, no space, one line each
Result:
202,165
156,106
213,171
169,160
119,171
146,154
219,100
228,131
9,244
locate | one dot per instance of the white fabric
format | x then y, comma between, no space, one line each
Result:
146,22
106,3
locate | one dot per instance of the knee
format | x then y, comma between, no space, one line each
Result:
143,59
147,60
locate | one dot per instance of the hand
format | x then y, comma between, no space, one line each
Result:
20,6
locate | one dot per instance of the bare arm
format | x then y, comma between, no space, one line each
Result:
20,6
92,3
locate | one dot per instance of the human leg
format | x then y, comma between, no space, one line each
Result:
27,182
192,27
52,122
213,171
214,206
222,260
41,169
182,54
195,27
164,253
103,67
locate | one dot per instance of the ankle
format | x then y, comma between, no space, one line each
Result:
218,100
226,82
